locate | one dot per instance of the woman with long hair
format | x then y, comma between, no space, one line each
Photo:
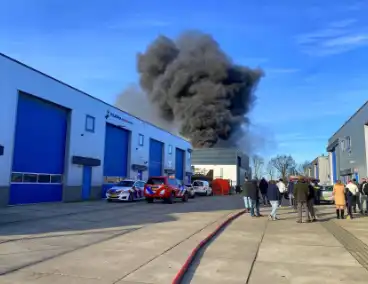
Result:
340,201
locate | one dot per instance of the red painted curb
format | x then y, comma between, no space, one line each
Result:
179,276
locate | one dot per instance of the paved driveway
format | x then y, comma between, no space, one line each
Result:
99,242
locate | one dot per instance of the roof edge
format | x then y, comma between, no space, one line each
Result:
84,93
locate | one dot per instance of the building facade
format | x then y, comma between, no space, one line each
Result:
60,144
319,169
348,148
226,163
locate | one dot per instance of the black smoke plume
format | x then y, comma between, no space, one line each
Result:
194,83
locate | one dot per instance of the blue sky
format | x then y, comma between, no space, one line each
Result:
314,54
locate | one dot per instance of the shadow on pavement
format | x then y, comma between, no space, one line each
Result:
100,215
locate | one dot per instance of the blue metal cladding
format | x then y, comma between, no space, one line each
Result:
156,153
39,147
116,153
179,163
334,171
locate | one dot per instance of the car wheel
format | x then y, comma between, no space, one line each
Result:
109,200
131,197
170,200
193,195
185,197
149,200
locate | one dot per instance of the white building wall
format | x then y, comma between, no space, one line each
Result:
16,77
219,171
324,170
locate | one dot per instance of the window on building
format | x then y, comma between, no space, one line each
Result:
141,140
90,123
342,145
221,172
18,177
170,149
348,143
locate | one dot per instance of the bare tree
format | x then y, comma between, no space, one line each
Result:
271,171
302,168
284,164
257,164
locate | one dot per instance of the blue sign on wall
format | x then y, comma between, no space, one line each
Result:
115,115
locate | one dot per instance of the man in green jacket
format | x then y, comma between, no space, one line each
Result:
301,191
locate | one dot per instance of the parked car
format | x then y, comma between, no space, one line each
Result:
190,190
202,187
166,189
126,190
326,194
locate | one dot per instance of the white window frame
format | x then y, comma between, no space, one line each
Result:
90,123
348,142
141,140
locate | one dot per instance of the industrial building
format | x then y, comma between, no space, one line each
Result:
319,169
225,163
61,144
348,148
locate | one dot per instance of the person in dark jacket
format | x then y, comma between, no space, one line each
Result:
253,193
273,195
263,185
363,189
301,192
310,202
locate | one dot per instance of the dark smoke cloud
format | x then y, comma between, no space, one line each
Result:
192,81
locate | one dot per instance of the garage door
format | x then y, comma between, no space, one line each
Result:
156,154
39,151
179,164
116,155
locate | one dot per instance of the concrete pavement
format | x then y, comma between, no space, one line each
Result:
99,242
279,252
96,242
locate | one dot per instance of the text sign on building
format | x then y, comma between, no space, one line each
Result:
115,115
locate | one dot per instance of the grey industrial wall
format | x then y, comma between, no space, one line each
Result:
354,128
214,156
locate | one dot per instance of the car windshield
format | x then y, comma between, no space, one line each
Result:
156,181
172,181
197,183
126,183
328,188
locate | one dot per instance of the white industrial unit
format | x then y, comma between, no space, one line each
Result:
319,168
226,163
84,121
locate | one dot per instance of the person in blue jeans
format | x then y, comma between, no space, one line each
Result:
254,196
273,195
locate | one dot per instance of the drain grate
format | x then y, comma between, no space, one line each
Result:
352,244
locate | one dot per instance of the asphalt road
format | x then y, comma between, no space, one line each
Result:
99,242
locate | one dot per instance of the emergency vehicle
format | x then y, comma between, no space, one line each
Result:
168,189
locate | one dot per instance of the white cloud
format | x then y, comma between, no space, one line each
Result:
337,37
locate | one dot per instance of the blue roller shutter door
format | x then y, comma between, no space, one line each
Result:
39,151
116,154
179,164
155,163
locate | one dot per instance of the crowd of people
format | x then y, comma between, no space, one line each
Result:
351,196
302,194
